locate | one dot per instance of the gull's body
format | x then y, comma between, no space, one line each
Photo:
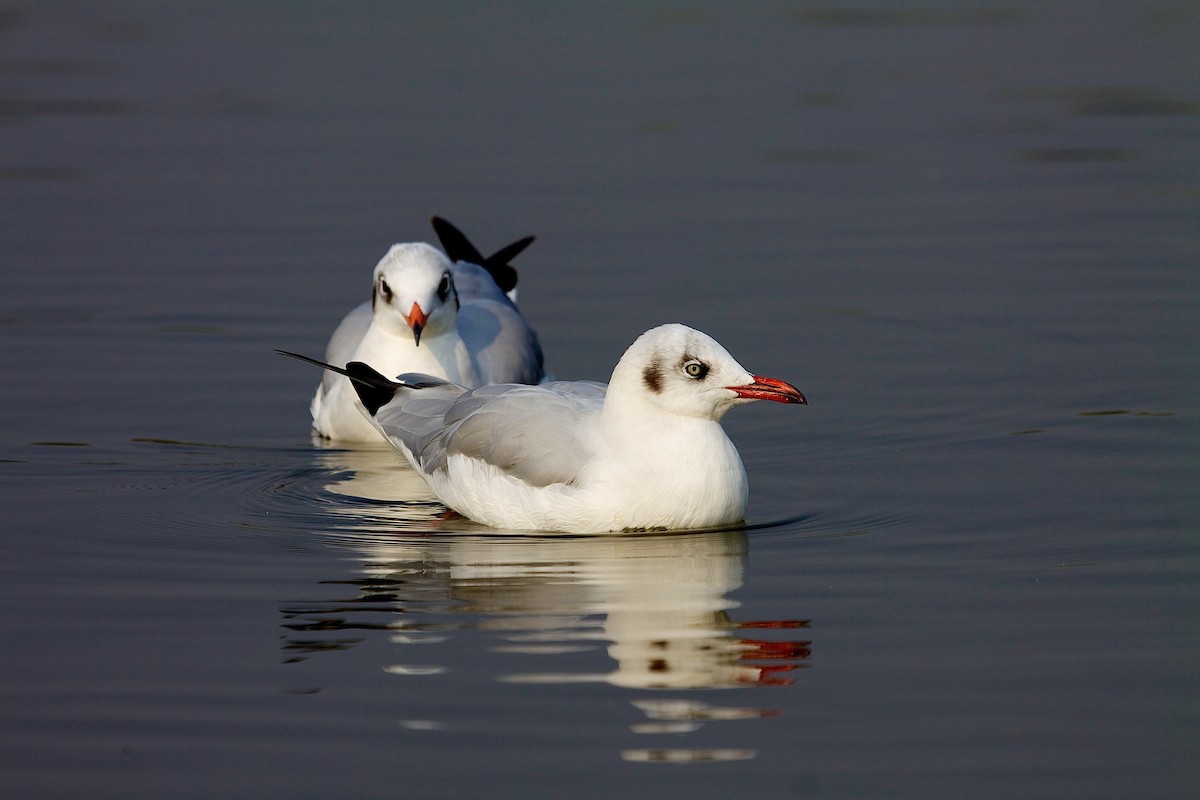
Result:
429,315
646,451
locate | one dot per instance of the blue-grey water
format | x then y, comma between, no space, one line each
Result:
968,232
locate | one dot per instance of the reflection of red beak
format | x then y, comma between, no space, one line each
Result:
754,649
769,676
416,320
769,389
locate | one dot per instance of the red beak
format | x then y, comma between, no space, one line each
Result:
769,389
416,320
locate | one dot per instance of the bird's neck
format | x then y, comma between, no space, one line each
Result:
658,461
394,351
645,434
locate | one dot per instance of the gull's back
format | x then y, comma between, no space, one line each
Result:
538,435
504,345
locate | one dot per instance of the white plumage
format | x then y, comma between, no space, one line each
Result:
646,451
429,315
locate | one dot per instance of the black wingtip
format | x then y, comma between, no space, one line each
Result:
503,273
511,251
373,389
459,248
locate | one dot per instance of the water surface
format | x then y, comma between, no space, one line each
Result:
967,234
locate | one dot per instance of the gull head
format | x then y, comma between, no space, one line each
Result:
681,371
414,293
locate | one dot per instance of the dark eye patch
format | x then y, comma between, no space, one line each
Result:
652,377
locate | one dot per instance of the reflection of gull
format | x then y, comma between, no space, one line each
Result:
400,498
662,601
677,755
373,473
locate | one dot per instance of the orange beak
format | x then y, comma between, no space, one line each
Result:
416,320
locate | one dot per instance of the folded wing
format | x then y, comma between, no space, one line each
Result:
540,435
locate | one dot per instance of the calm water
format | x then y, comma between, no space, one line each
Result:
967,233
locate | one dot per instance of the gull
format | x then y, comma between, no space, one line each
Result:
646,451
431,315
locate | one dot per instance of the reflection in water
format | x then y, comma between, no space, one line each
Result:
397,497
682,755
660,602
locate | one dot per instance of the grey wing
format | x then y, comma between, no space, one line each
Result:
416,417
588,392
505,346
472,282
537,434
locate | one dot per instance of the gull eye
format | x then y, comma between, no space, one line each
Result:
696,369
385,290
444,287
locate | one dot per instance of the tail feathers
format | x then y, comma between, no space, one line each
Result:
459,248
374,390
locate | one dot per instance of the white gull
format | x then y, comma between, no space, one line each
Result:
427,314
647,451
